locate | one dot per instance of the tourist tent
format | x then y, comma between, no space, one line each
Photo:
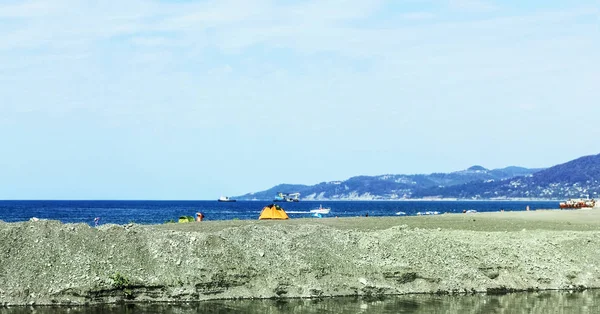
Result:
273,212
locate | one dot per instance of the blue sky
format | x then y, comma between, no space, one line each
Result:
196,99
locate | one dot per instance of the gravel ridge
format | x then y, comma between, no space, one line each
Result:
48,262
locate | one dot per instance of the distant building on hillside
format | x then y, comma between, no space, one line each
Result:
287,197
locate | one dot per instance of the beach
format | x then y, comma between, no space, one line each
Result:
48,262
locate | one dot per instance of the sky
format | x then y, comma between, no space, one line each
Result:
197,99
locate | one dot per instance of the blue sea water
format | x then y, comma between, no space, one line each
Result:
156,212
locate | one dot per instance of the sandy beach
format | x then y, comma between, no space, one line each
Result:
47,262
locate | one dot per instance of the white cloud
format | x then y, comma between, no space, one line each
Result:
474,5
234,25
27,9
417,16
169,37
152,41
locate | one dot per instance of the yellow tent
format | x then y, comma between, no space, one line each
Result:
273,212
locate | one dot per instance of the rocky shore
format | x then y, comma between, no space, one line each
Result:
47,262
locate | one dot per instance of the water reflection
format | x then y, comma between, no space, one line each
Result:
542,302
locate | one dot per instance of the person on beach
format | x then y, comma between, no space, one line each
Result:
367,215
96,220
199,217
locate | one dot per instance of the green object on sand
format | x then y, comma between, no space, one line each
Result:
184,219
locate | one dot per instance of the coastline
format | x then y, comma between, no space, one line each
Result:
418,200
47,262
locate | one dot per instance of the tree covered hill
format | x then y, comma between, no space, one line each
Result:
389,186
573,179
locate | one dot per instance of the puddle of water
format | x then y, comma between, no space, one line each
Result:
538,302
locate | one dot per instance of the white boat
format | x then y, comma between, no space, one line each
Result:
225,199
321,210
401,213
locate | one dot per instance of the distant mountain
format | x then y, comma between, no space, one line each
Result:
391,186
574,179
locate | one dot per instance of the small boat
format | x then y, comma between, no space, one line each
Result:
576,203
321,210
225,199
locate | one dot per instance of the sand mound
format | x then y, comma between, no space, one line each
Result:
47,262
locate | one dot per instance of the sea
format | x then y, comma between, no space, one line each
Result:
158,212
